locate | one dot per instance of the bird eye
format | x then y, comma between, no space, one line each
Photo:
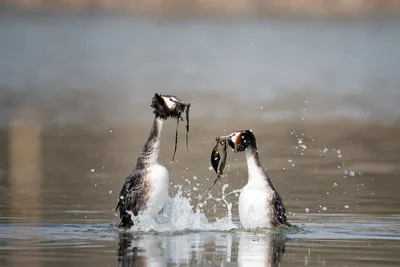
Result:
233,134
170,99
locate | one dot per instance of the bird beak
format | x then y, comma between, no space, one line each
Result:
227,138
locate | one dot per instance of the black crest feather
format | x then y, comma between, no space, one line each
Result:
161,110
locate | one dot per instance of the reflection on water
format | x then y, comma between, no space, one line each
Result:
322,97
245,249
328,242
264,250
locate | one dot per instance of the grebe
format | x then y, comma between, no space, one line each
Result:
146,188
259,203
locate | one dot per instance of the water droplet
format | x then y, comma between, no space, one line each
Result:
324,208
194,177
352,173
307,210
346,206
325,150
110,192
92,170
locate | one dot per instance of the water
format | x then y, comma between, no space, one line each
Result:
321,96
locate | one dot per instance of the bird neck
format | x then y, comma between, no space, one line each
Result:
256,173
151,150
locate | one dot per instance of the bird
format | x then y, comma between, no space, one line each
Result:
260,205
146,189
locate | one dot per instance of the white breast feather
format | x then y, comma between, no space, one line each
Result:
159,180
253,208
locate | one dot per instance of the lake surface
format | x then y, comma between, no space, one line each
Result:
321,96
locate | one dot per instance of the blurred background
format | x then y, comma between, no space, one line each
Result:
220,7
317,80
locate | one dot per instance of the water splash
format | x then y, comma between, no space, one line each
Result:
178,215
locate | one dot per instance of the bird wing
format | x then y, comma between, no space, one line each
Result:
280,211
131,197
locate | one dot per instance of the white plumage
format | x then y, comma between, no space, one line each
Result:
158,194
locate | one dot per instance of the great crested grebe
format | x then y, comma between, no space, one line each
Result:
146,188
259,203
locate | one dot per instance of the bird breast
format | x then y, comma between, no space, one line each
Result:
157,188
254,207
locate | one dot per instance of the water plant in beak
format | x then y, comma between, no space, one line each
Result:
168,106
216,162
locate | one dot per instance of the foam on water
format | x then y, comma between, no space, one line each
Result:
178,215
